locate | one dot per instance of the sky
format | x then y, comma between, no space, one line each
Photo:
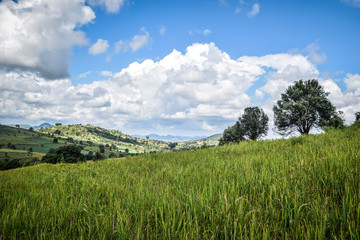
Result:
176,67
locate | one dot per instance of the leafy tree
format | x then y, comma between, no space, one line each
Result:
357,116
172,145
254,123
67,154
99,156
58,124
302,107
89,156
102,148
55,140
233,134
57,131
31,129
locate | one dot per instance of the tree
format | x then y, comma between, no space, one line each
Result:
31,129
233,134
254,123
302,107
58,124
357,116
67,154
102,148
99,156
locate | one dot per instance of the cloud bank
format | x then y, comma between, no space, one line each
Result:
38,35
201,91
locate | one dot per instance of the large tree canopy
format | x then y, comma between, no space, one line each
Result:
302,107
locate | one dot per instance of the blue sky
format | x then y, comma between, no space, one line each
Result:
168,67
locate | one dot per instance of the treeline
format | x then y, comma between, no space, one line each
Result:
303,107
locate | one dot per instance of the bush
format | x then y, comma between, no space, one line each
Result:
66,154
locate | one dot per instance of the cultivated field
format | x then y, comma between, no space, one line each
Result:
302,188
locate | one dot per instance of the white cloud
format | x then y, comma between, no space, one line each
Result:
38,35
140,40
201,91
112,6
354,3
206,32
206,126
99,47
162,30
254,10
137,42
84,75
106,73
315,57
352,82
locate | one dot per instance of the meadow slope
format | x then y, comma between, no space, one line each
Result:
301,188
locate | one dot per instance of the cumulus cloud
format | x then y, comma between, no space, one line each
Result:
200,91
38,35
99,47
112,6
254,10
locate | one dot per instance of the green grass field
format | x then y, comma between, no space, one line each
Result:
301,188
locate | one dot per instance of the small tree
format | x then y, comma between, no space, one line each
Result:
302,107
357,116
233,134
254,123
102,148
67,154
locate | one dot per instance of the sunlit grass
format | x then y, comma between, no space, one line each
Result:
303,188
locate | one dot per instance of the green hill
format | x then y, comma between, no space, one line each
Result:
94,136
300,188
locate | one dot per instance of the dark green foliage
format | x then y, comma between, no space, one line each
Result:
6,164
89,156
172,145
302,107
99,156
65,154
357,116
254,123
57,132
233,134
55,140
102,148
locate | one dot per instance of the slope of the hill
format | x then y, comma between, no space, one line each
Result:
95,136
300,188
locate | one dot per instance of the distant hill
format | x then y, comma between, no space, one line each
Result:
43,125
24,126
215,137
171,138
95,136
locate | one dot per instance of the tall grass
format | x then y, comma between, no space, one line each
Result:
303,188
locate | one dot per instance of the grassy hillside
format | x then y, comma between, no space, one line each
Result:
93,136
301,188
